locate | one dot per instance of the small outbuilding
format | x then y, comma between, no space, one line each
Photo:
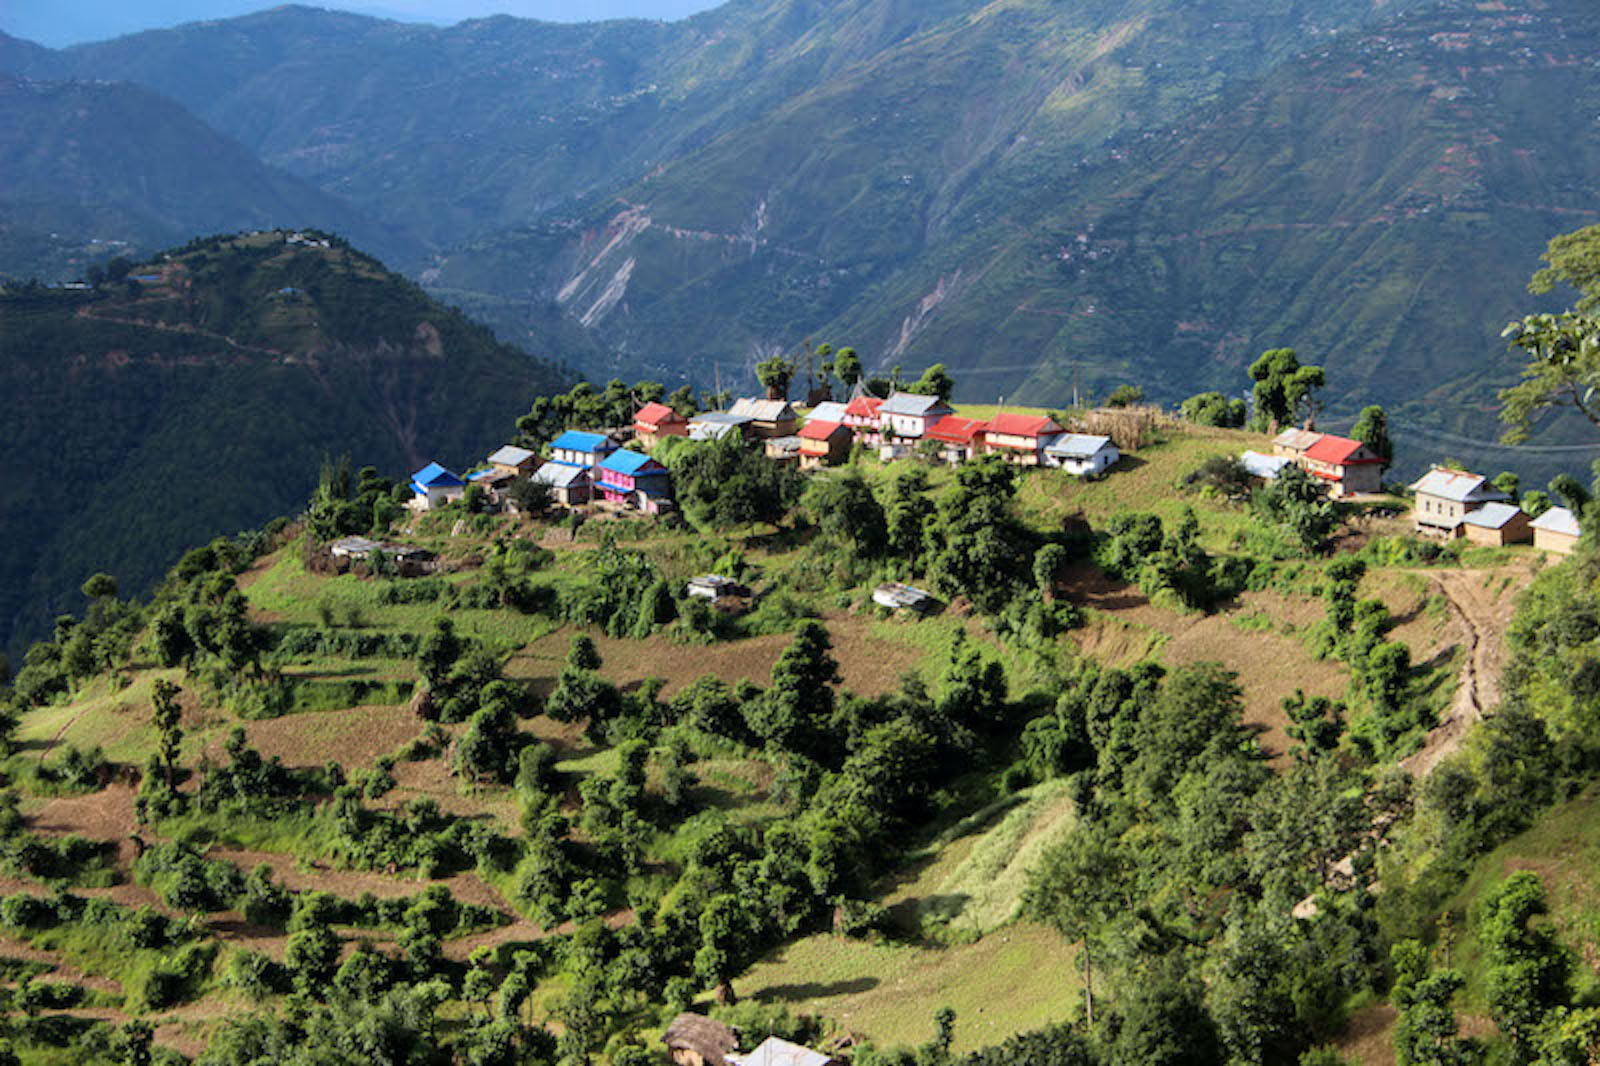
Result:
695,1040
433,486
783,449
714,587
570,486
1497,524
897,597
1081,453
514,462
715,425
1262,467
1556,531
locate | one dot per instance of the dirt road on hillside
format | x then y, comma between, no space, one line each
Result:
1481,604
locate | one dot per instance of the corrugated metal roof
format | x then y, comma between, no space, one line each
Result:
1457,485
654,414
831,411
576,440
435,476
1492,515
775,1051
511,455
953,429
819,430
1257,464
1298,439
1077,445
913,404
560,475
1020,425
630,463
1340,451
763,410
1559,520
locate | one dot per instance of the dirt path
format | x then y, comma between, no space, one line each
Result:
1480,605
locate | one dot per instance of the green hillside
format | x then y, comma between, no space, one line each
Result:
145,417
120,163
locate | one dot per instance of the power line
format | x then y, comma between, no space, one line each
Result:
1493,446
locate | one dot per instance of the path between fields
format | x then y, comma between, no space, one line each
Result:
1480,604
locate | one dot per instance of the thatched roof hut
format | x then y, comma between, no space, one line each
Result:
695,1040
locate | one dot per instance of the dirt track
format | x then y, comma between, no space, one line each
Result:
1480,605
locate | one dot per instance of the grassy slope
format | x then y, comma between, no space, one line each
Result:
965,873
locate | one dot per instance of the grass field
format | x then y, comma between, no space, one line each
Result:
1018,978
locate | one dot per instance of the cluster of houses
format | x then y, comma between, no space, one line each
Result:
584,467
1448,504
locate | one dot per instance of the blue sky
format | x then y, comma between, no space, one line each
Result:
62,22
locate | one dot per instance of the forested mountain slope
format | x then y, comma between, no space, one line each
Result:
146,416
117,161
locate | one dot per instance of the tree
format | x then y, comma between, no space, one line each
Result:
1563,370
1372,429
582,654
799,700
1125,396
1283,388
935,381
166,713
1077,887
726,944
846,512
776,373
847,364
1297,504
1213,409
1425,1034
100,587
1529,968
1574,259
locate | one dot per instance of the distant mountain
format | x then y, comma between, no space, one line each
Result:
118,162
200,396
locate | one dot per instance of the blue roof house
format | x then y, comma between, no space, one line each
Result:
434,486
630,478
577,448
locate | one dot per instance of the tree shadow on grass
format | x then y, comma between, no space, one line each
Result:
810,990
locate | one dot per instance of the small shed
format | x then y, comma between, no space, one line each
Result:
1497,524
783,449
713,587
899,597
1556,531
1081,453
354,547
570,486
695,1040
514,461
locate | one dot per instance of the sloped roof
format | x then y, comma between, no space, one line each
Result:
433,476
720,418
654,414
831,411
1341,451
1077,445
1298,439
511,455
1492,515
1558,520
913,404
1258,464
708,1038
629,462
1457,485
863,406
953,429
775,1051
1021,425
763,410
819,430
561,475
576,440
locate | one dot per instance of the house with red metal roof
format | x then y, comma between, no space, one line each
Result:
656,420
823,443
959,438
861,415
1019,437
1348,466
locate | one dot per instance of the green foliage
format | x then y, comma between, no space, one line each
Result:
1125,396
1372,429
1285,391
730,482
1296,506
1214,409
